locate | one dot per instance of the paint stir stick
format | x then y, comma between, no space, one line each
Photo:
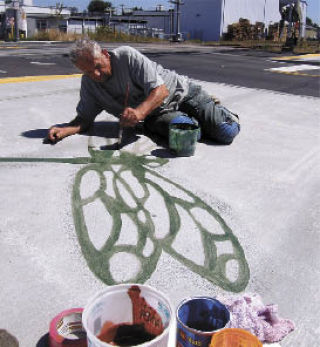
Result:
120,126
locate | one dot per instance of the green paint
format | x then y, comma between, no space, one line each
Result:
183,139
80,160
214,268
100,162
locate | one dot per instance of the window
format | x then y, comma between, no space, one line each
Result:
42,24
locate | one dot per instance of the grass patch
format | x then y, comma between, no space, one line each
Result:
307,47
302,47
54,35
107,34
104,34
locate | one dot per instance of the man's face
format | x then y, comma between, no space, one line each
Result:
98,69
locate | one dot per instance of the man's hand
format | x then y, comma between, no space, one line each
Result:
130,117
56,134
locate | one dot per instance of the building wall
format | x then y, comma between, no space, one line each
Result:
76,25
45,10
156,19
208,19
303,5
312,33
2,6
31,25
265,11
200,19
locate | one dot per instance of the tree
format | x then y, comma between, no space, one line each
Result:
309,21
99,6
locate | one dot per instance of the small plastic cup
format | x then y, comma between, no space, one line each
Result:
130,304
198,318
235,338
183,139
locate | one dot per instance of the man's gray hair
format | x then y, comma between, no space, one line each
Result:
84,48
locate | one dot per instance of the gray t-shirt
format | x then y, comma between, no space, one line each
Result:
133,71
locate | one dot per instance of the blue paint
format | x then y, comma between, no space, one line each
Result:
198,319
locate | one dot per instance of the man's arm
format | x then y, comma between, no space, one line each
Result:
131,116
76,126
87,110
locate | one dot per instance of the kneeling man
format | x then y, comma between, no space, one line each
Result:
152,94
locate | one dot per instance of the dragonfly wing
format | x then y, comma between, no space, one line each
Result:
118,208
200,238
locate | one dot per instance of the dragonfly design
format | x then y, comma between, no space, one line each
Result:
121,198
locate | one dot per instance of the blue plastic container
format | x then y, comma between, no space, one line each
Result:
198,318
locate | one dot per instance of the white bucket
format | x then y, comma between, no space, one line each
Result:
114,304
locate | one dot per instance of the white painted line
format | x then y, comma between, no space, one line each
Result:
294,68
40,63
276,61
2,71
229,54
309,59
300,168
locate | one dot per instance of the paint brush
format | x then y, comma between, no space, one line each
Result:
120,126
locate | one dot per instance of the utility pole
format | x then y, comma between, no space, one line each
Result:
122,7
171,22
16,7
178,36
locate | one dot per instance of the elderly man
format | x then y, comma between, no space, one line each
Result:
127,84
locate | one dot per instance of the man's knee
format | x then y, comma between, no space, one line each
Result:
225,132
218,123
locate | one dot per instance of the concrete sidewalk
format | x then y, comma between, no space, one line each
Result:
265,186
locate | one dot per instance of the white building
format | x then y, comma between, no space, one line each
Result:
149,23
207,20
33,19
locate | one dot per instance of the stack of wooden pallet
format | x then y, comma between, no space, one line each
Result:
243,30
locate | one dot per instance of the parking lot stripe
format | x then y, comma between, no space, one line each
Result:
295,70
296,73
36,78
295,57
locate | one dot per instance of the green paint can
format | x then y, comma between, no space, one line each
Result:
183,139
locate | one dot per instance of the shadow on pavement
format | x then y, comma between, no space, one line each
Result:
163,153
111,130
35,134
99,129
